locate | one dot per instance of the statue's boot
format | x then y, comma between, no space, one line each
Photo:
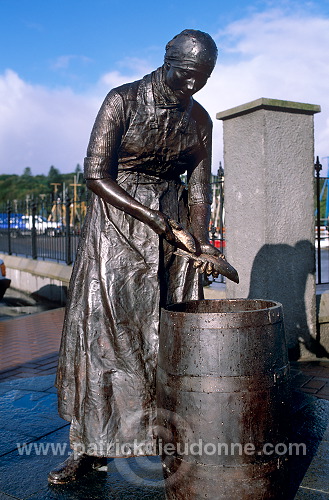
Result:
75,467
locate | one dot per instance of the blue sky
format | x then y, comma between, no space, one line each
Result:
60,58
74,42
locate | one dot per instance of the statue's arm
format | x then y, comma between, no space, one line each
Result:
101,165
115,195
199,192
199,187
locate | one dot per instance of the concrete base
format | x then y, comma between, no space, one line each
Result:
44,279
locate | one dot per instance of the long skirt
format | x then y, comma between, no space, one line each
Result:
123,274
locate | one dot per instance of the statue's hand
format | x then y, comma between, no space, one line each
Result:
211,265
159,222
172,231
209,249
184,239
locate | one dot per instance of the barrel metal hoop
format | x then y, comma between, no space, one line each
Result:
241,471
224,320
210,384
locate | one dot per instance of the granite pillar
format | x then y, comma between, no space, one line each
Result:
269,210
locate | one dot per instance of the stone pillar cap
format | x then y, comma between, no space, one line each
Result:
271,104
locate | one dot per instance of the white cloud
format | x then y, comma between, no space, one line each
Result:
134,67
42,127
63,62
274,54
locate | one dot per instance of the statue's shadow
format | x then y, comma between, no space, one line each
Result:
282,271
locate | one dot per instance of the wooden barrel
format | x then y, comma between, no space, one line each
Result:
222,395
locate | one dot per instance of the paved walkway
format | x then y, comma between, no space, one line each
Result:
28,414
29,344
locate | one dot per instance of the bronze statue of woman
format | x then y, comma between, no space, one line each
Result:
146,134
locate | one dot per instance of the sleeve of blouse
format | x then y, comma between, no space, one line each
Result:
102,157
199,188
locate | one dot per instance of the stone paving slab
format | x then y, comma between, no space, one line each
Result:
317,475
3,496
309,423
44,365
309,494
33,413
23,474
311,377
27,338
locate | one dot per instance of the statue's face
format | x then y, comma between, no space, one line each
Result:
182,81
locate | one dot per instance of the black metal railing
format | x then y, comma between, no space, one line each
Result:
321,225
41,228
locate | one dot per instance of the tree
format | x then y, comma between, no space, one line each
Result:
78,169
27,172
54,174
